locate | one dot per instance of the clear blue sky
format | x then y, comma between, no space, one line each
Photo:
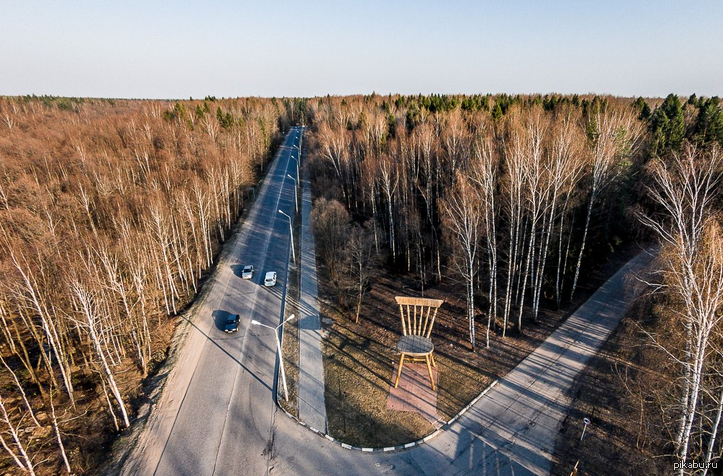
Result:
165,49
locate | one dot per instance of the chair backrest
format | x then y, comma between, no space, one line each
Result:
418,315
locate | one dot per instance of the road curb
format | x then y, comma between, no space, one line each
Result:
326,436
389,449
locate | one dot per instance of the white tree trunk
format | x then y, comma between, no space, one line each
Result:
584,239
26,464
713,433
90,323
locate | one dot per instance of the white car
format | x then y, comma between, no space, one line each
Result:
270,279
248,272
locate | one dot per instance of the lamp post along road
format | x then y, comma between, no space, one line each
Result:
278,350
297,162
291,231
296,198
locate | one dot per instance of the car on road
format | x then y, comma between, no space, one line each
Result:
231,323
270,279
248,272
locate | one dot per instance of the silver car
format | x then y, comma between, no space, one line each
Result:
270,279
248,272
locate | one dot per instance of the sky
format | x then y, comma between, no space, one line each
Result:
181,49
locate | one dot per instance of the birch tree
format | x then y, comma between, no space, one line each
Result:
513,189
19,453
535,185
362,264
562,174
463,215
389,182
86,302
613,135
692,259
484,174
31,291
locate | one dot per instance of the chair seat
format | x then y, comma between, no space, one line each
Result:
415,345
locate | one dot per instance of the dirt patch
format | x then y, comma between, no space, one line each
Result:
290,342
359,358
624,434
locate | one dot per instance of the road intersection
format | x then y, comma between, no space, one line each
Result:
217,416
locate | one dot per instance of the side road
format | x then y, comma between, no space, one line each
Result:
509,431
312,408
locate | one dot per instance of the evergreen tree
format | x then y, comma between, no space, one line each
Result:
642,106
497,111
709,125
668,125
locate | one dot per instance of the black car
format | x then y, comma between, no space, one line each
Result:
231,323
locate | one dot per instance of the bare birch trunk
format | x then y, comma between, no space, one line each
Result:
26,464
56,428
584,240
90,323
22,392
713,434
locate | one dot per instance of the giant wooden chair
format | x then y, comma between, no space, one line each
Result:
418,315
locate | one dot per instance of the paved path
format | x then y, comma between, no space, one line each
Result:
414,393
312,409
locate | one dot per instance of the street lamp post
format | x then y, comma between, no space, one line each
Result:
301,141
278,350
297,163
296,198
291,232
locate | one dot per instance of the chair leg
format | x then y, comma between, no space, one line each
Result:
434,364
399,372
429,368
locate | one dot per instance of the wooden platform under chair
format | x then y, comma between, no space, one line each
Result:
414,393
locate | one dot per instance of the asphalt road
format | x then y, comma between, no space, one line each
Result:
217,416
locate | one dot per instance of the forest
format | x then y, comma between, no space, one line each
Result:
509,201
514,198
112,212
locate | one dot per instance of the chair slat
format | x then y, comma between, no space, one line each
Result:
426,320
404,327
417,316
434,316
